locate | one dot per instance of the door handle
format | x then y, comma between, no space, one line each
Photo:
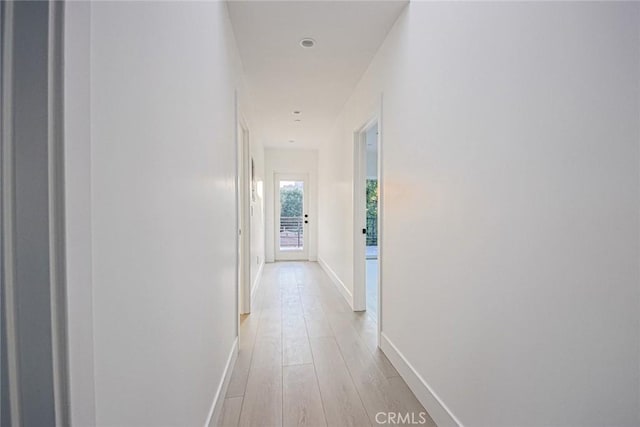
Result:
306,222
364,231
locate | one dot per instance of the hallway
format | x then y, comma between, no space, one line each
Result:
169,165
306,359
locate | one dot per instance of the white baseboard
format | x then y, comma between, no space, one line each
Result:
336,281
216,407
440,413
256,283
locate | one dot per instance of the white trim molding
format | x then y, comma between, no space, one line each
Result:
218,400
436,408
57,232
359,215
8,225
336,281
256,282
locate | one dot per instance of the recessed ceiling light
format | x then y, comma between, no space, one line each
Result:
297,120
307,43
297,112
291,141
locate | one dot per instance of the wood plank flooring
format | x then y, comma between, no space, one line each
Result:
306,359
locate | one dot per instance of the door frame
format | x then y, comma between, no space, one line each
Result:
52,386
359,215
243,218
7,229
277,253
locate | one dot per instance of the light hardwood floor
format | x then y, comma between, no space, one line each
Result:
306,359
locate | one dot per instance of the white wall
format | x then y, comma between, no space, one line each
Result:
163,208
278,160
77,133
335,201
510,139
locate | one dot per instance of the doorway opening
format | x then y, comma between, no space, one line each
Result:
371,207
244,220
367,185
292,219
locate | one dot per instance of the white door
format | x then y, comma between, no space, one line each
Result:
292,217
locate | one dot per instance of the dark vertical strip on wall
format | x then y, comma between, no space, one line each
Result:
31,209
4,371
57,212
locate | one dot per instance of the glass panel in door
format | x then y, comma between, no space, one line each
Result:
291,236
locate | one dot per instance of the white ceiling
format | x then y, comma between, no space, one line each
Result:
283,77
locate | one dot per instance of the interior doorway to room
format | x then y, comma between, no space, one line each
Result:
292,219
244,219
367,220
371,207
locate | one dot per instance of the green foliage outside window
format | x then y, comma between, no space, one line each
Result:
372,212
290,201
372,198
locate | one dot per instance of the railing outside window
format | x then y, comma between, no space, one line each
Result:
372,231
291,232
